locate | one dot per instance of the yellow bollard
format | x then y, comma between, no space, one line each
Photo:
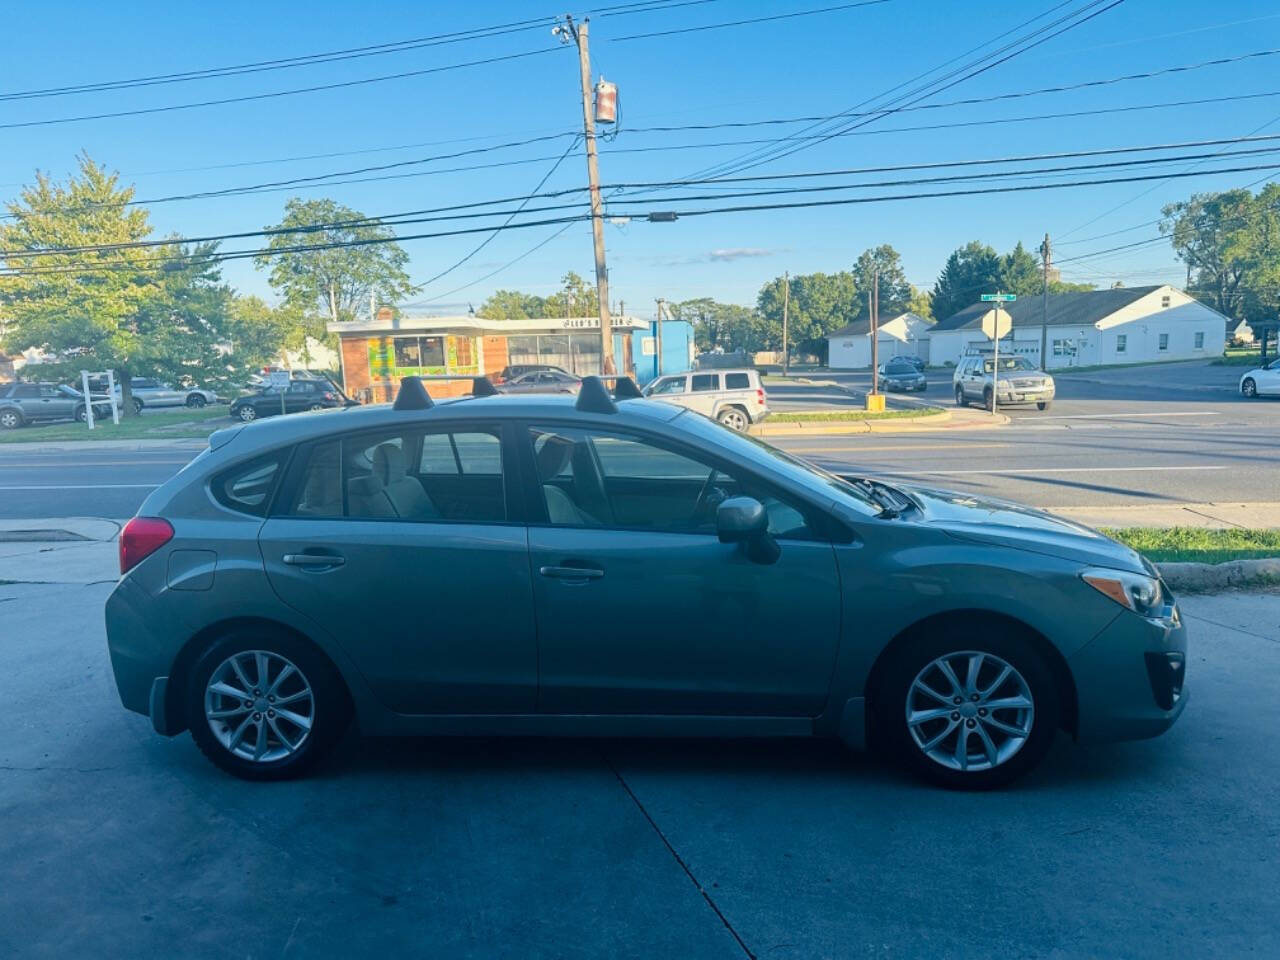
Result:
875,403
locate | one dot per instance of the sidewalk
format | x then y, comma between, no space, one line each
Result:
58,550
958,419
1262,514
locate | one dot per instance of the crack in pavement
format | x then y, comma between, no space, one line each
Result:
676,856
1227,626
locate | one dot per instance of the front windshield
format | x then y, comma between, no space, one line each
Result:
775,461
1008,363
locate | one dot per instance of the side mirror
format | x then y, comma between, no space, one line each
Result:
745,520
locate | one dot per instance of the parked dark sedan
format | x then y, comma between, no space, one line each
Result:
901,374
520,369
543,381
300,395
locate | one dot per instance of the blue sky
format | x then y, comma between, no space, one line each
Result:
809,65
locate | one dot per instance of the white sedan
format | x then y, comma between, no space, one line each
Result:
1262,381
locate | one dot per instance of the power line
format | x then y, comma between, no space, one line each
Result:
168,108
739,23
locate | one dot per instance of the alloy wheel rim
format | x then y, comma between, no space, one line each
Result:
259,706
9,420
734,420
970,711
248,413
1249,388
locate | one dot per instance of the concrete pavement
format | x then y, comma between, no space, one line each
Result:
120,843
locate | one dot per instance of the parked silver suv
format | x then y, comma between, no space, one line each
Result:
1019,382
734,397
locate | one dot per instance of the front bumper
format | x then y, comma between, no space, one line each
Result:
1032,395
1130,679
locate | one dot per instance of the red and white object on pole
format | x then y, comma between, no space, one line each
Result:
606,102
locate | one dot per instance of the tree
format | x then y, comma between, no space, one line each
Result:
1020,273
575,298
512,305
726,327
895,292
256,332
821,303
921,303
156,311
969,272
333,284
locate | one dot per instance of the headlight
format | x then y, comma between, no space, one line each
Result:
1136,591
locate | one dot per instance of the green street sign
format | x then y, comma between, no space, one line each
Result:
1002,297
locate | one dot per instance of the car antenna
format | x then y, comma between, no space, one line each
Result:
483,387
625,389
412,396
593,397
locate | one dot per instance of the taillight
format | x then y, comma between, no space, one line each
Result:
141,537
760,397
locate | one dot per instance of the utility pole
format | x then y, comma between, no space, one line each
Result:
657,367
1046,257
873,309
579,34
786,309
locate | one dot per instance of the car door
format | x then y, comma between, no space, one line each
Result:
1268,379
640,608
704,392
300,396
405,545
54,404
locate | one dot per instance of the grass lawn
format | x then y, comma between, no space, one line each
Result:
1197,545
851,415
153,425
1251,357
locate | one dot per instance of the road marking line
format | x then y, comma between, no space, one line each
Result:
1037,470
1114,416
87,486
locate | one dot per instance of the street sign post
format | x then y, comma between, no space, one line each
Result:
996,326
279,380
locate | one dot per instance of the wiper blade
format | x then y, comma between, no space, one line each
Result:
883,496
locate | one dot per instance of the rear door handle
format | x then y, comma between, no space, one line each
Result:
314,561
571,573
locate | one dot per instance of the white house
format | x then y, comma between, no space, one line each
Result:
850,347
1092,328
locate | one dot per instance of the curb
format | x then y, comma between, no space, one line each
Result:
70,446
926,424
1211,577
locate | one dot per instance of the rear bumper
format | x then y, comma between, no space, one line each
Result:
138,654
1130,679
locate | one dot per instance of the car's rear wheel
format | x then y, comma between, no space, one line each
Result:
247,413
10,419
265,705
1249,388
960,398
972,711
195,401
733,418
137,405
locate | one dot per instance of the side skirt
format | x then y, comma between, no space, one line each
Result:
587,725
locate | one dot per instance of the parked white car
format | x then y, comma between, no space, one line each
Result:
734,397
148,392
1262,381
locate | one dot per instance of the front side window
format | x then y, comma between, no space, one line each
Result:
702,382
49,392
417,475
590,478
669,385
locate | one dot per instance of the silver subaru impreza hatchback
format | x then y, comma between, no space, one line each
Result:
608,565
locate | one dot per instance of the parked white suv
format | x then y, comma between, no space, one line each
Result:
734,397
1020,381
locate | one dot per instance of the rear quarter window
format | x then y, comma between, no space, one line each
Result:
737,381
248,487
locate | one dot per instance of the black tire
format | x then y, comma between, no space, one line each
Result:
137,405
316,406
330,713
889,705
961,400
81,415
195,401
988,399
10,419
1042,405
1249,388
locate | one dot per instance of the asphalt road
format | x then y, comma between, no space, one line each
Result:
1106,441
119,843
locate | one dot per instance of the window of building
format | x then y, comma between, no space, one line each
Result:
1059,348
1164,341
737,381
639,485
1165,301
413,354
436,475
408,352
1122,341
704,382
1199,340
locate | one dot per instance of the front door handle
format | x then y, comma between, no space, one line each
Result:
581,574
314,561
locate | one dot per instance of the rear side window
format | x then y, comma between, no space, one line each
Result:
248,487
706,381
737,381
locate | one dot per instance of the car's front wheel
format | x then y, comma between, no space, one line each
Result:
973,711
10,419
316,406
1249,387
196,400
265,705
1042,405
960,399
81,415
247,413
733,418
